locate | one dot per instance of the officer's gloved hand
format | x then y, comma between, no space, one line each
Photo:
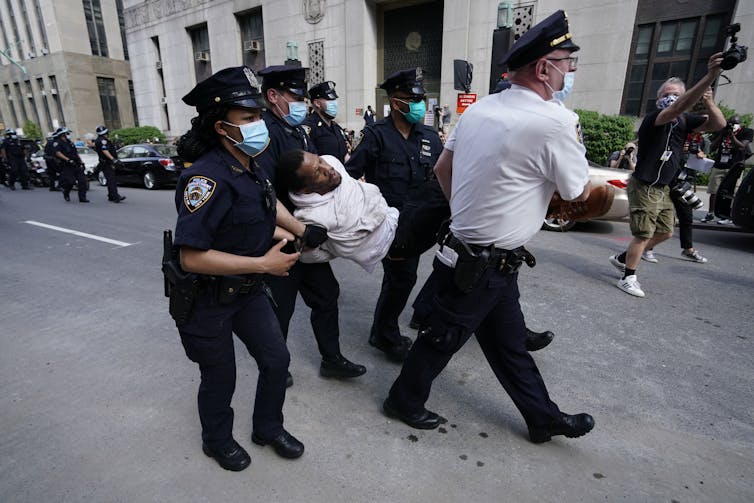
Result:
313,236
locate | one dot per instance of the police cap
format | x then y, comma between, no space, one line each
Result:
541,39
101,130
10,131
235,86
324,90
286,78
409,80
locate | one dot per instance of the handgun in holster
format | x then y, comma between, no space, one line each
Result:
180,286
470,266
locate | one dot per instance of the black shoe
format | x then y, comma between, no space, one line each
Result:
285,444
288,380
121,198
424,420
12,187
233,457
538,340
114,200
66,197
340,367
570,426
84,201
394,352
26,188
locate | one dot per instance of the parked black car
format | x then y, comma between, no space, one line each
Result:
150,165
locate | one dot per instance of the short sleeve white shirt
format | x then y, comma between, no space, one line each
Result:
511,151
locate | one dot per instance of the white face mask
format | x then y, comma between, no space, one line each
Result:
565,91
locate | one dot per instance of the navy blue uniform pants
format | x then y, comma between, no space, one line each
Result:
208,340
398,279
53,171
112,184
70,174
18,171
491,311
320,291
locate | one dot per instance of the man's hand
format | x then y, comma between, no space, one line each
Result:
713,65
278,263
313,236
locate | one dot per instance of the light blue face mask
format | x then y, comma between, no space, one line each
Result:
255,137
296,113
415,112
331,108
568,79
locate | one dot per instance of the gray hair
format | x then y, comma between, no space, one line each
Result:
670,81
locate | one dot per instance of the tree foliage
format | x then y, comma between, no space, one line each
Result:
32,131
141,134
729,112
604,134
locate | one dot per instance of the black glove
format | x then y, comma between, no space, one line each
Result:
314,235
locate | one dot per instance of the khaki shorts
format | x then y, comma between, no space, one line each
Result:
715,179
651,210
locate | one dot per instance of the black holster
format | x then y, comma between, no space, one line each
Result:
470,266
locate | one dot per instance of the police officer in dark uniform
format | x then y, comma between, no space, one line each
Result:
51,162
71,166
320,125
397,154
226,220
107,158
14,155
284,88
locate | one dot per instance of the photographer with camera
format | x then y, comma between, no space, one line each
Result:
730,148
662,134
625,158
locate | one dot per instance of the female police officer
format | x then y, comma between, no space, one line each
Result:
226,221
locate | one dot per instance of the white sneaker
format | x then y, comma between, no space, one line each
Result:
617,263
631,286
709,217
694,256
725,221
649,256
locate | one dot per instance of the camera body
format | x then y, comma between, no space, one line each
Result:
736,53
684,192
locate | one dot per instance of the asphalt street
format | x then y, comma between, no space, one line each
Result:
98,400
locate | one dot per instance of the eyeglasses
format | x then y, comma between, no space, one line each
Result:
416,98
573,61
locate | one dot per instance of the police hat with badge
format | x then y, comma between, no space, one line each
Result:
286,78
410,80
323,90
236,86
543,38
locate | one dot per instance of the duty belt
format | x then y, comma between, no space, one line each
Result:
505,261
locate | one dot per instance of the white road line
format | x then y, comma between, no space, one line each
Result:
77,233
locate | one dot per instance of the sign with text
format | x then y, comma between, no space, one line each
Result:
465,100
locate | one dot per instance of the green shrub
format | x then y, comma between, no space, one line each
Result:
604,134
141,134
32,131
728,112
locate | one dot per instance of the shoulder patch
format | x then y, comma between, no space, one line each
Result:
308,129
198,191
104,142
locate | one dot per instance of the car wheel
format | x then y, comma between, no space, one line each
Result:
102,178
150,181
557,225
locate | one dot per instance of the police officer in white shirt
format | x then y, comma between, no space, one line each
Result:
504,160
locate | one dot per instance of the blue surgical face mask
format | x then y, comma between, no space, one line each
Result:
565,91
296,113
255,137
331,108
416,111
666,101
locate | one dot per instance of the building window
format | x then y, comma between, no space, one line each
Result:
133,101
32,101
42,28
96,27
31,46
662,48
122,25
41,86
19,99
16,37
316,63
252,39
109,102
200,44
11,105
55,93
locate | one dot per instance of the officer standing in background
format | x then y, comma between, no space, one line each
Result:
326,134
51,162
284,88
107,158
71,167
12,152
397,154
226,221
501,165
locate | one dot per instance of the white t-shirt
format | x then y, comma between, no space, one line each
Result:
511,151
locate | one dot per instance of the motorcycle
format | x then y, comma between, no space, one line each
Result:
38,175
737,205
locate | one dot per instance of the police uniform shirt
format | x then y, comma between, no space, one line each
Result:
101,144
655,140
14,150
283,138
50,149
224,207
393,163
64,147
511,151
329,140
